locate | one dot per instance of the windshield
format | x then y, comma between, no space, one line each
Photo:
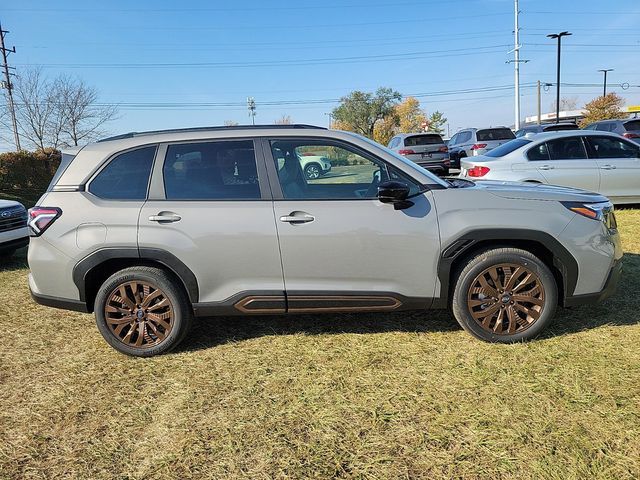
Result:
409,163
494,134
507,148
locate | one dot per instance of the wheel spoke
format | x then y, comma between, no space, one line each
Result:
493,273
488,290
125,297
120,321
528,299
499,322
487,311
513,278
523,283
161,304
149,298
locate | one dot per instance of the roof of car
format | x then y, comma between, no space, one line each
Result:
405,135
570,133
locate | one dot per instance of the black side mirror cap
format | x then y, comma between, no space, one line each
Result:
392,191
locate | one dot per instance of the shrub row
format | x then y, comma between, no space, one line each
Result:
26,175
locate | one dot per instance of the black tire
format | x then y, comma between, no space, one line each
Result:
180,319
532,319
313,171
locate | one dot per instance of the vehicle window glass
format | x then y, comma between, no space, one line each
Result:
609,147
453,140
632,125
392,143
427,139
464,137
538,152
590,127
211,171
316,170
604,127
569,148
560,126
494,134
126,177
508,147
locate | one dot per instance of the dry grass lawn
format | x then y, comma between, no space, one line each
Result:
339,396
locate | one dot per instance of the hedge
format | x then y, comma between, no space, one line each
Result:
25,175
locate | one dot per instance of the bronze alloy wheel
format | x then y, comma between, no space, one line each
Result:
139,314
505,299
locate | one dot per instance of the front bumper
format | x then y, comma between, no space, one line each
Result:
610,286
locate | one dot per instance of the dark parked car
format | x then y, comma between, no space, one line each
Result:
546,127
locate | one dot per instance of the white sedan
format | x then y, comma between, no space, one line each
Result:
591,160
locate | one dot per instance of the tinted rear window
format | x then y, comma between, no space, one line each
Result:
494,134
126,177
632,125
555,128
507,148
429,139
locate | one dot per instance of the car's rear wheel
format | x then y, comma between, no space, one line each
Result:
312,171
141,311
505,295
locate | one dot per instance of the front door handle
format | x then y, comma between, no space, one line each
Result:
297,217
165,217
608,167
546,167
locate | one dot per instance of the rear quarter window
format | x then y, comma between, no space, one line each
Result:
489,134
632,125
126,176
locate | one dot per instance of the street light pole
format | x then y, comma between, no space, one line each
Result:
604,91
559,37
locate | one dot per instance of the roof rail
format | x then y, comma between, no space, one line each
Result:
209,129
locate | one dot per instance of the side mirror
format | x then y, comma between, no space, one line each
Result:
394,192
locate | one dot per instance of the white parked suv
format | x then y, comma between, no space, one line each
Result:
14,233
601,162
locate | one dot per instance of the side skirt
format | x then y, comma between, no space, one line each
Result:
274,303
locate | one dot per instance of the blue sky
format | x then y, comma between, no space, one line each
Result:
161,60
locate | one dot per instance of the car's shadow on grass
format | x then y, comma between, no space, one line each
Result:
17,261
619,310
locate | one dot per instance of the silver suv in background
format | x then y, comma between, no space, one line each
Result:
14,233
629,128
148,230
546,127
476,141
426,149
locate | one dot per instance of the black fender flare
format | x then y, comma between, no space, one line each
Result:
562,258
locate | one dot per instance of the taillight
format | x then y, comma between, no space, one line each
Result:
478,146
406,152
443,149
478,171
41,218
631,135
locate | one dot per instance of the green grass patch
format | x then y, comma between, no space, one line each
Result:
335,396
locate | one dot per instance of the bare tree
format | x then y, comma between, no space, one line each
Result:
82,117
566,103
35,111
283,120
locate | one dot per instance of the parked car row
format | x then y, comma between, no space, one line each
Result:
14,233
592,160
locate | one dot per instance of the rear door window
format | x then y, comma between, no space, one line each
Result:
538,152
569,148
222,170
126,177
632,126
426,139
489,134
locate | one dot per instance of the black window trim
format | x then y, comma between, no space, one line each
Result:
274,180
263,178
86,185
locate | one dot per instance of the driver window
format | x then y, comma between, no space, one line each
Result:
316,170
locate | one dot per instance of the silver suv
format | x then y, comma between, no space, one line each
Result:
426,149
476,141
148,230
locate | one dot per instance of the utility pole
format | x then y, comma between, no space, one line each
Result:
559,37
516,63
9,86
251,105
604,91
539,105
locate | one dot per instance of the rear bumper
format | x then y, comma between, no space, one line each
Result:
610,286
56,302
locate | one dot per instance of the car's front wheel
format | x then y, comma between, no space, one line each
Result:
142,311
505,295
312,171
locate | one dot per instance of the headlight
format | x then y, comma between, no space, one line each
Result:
601,211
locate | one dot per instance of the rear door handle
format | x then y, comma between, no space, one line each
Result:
608,167
297,217
546,167
165,217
